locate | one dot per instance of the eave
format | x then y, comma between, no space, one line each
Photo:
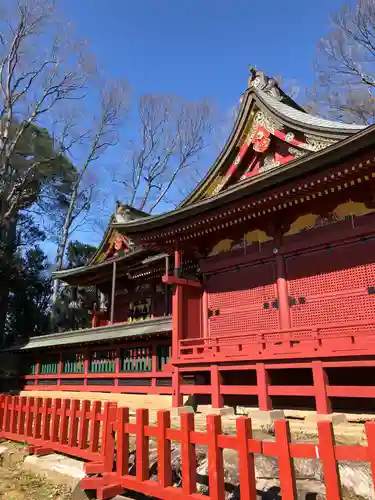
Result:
334,154
117,331
97,273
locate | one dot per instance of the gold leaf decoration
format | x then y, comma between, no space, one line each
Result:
303,222
221,246
256,236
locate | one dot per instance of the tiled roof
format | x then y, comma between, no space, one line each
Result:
101,333
306,118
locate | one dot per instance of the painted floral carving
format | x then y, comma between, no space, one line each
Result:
261,140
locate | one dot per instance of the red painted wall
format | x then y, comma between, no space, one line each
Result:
241,300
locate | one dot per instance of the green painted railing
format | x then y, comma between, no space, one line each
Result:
31,368
136,359
49,364
103,361
73,363
162,355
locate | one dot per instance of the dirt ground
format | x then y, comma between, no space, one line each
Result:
16,484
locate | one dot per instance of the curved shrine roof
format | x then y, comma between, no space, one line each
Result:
114,247
273,140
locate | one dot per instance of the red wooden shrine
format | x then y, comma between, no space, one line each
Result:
270,268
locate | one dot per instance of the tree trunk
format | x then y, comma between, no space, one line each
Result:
63,242
8,236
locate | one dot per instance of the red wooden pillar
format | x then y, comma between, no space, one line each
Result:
94,319
204,314
217,400
154,363
322,401
177,263
177,319
86,362
60,368
177,308
264,401
177,398
282,292
117,365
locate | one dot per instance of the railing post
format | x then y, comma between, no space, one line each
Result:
46,419
122,462
164,450
285,461
108,443
246,465
29,417
73,427
188,456
215,458
56,408
37,418
142,453
322,401
94,427
21,416
328,457
63,431
370,434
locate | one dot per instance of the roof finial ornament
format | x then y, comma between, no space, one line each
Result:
260,81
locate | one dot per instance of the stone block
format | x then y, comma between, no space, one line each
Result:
335,418
265,417
56,468
176,412
208,410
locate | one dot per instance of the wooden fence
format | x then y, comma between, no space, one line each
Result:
66,426
102,436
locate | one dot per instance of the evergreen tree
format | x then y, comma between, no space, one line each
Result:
71,310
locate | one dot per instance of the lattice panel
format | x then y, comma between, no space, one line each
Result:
334,284
243,321
334,310
331,270
240,295
243,287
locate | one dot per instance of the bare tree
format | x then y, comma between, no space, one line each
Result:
173,134
37,74
345,65
102,135
42,67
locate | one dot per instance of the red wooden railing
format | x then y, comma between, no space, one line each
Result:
115,478
326,340
74,428
67,426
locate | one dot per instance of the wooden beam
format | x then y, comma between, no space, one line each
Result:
173,280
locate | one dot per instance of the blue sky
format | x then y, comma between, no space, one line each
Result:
201,48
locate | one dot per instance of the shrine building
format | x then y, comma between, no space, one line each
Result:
257,291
